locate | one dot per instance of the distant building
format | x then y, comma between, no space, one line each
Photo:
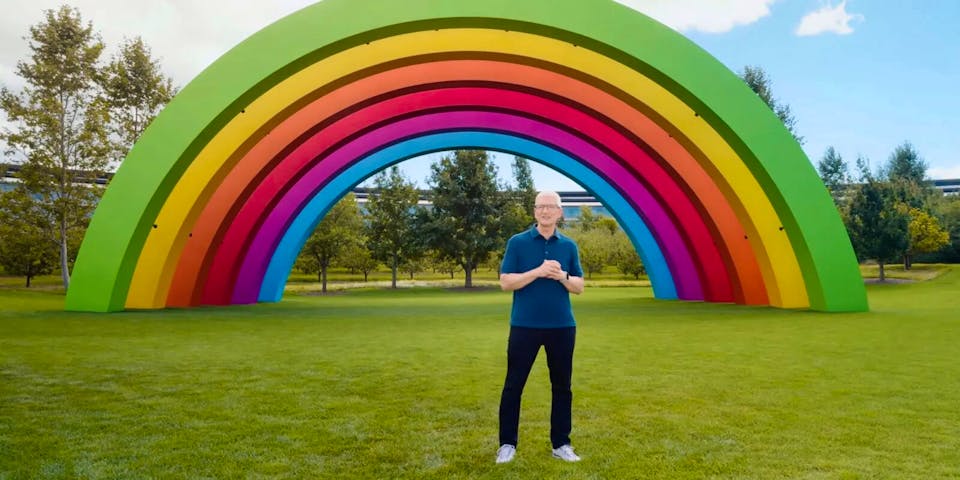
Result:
9,180
948,186
572,201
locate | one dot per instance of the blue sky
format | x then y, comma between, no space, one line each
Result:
893,79
890,77
865,76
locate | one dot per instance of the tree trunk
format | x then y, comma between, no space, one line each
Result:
323,279
64,255
907,261
882,278
468,282
365,276
393,272
28,280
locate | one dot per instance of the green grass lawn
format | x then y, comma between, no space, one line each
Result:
379,384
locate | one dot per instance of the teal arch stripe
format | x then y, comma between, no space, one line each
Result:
679,257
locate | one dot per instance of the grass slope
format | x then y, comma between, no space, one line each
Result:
381,384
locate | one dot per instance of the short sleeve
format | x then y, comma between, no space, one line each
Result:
510,263
575,269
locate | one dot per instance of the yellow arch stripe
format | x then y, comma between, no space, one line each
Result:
157,261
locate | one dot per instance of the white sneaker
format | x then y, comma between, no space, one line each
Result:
505,453
566,454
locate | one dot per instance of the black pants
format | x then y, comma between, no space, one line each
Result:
522,349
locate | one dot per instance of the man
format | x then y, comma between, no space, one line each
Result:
542,268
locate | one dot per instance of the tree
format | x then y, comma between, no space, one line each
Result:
758,81
357,258
906,165
137,90
608,225
948,209
340,228
625,256
596,246
513,219
412,266
907,173
25,245
587,220
441,264
60,124
926,235
464,225
526,190
391,208
878,228
834,173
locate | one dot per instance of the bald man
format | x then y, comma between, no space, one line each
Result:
542,268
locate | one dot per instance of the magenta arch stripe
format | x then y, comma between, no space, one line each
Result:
268,236
563,114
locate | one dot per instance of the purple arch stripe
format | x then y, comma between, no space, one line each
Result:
257,257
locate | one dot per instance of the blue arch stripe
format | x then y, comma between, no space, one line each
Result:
281,263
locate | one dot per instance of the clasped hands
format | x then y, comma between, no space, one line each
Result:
552,269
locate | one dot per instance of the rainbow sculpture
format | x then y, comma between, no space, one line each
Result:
218,196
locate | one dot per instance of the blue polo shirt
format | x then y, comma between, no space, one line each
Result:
543,303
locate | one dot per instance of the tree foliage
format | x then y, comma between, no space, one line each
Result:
906,165
906,172
137,90
439,263
391,231
758,81
526,190
625,256
25,246
926,235
947,208
587,220
596,246
835,174
341,228
465,222
878,228
60,124
358,259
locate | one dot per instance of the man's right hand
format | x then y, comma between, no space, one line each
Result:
550,269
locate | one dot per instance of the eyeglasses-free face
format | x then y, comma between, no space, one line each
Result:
545,207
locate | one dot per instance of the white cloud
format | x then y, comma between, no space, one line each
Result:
185,35
951,171
709,16
828,19
9,78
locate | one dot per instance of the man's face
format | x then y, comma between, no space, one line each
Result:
547,211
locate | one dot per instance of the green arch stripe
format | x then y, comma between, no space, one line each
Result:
118,231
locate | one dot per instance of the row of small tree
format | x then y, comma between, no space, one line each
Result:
892,213
471,217
75,118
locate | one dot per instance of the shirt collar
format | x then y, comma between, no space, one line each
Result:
534,233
